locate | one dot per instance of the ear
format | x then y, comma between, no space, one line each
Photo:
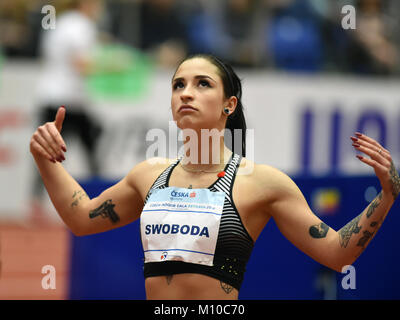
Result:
231,104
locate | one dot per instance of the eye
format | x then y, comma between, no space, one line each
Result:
178,84
204,83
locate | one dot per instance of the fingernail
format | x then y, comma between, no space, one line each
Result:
64,148
62,107
358,134
355,145
359,157
354,139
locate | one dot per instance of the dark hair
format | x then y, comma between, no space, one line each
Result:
232,87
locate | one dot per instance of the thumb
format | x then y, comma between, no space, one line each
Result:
60,118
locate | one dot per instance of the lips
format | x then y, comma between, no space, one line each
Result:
186,107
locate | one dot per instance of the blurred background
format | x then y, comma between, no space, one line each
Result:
309,82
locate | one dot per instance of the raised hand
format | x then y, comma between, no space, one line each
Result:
381,160
47,141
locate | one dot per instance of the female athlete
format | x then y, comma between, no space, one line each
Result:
199,217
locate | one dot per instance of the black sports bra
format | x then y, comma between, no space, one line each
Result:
234,244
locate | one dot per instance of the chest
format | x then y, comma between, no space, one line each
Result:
247,198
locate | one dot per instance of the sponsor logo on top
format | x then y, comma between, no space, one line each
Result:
183,194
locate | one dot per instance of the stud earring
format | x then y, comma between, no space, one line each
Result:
226,110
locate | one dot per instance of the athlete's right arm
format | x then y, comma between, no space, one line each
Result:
115,207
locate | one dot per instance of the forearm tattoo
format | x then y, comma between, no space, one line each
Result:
106,210
347,231
78,196
374,204
352,227
395,181
319,230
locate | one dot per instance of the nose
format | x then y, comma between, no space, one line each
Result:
186,94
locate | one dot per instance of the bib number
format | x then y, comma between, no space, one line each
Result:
179,224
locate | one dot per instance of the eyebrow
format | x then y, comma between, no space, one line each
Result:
200,76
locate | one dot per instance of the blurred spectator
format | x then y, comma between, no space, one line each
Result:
66,52
336,40
162,31
373,51
293,35
229,29
14,30
203,34
239,32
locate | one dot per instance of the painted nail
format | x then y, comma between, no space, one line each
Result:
359,157
355,145
64,148
354,139
62,107
358,134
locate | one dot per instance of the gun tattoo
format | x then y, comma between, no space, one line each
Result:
319,230
106,210
77,196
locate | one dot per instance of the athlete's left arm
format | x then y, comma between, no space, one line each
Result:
306,231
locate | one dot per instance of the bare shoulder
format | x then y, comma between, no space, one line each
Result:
266,176
143,174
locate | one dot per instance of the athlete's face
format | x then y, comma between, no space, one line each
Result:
198,96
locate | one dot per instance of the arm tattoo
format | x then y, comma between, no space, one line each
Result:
319,230
352,227
395,180
106,210
77,196
364,239
347,231
374,204
226,287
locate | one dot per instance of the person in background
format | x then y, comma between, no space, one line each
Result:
230,29
162,31
66,55
293,36
375,52
240,28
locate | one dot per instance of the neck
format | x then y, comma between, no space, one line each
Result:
209,153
